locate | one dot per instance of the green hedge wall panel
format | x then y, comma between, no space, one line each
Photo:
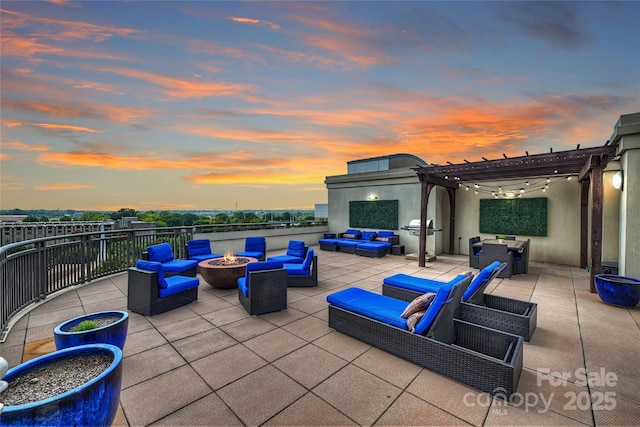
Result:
375,214
520,217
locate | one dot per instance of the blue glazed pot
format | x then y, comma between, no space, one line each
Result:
114,333
616,290
94,403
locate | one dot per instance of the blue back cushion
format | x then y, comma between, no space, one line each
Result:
306,264
153,266
434,309
160,253
352,231
199,247
385,233
480,280
262,265
255,244
296,248
368,235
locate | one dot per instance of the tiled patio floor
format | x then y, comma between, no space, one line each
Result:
209,363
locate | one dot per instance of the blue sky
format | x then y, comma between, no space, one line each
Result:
213,105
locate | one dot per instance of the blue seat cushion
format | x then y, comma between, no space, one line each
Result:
177,284
328,241
179,265
252,254
296,270
204,257
349,242
286,259
242,285
160,253
373,246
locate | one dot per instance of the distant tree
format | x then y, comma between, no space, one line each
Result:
66,218
221,218
44,218
189,219
124,212
31,218
94,216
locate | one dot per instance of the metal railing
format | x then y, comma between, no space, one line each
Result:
31,270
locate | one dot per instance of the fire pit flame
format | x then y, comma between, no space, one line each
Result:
230,258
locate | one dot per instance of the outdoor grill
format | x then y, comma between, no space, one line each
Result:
414,227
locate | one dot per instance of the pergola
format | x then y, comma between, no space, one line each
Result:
587,163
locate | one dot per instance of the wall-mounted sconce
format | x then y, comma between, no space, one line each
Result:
373,197
617,180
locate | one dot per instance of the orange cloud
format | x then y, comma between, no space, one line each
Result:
185,88
255,22
20,146
53,126
59,187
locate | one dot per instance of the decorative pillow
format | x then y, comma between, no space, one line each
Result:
413,320
418,304
382,239
349,236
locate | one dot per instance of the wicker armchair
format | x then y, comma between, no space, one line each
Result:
521,259
497,252
264,288
474,253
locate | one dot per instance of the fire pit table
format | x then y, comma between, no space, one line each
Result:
223,273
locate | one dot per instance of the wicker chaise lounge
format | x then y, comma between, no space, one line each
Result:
484,358
505,314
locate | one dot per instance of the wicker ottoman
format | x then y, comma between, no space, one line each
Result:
373,249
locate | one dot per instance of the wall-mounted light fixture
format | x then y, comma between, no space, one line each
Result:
373,197
617,180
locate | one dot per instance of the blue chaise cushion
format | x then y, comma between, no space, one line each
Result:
419,284
369,304
480,280
160,253
442,296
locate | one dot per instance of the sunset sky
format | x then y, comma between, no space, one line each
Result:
159,105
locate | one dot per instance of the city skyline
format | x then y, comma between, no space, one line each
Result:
250,105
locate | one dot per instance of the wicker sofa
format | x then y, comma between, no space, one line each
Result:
505,314
373,244
484,358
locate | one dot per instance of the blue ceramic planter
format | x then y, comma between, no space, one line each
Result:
113,333
93,404
618,290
